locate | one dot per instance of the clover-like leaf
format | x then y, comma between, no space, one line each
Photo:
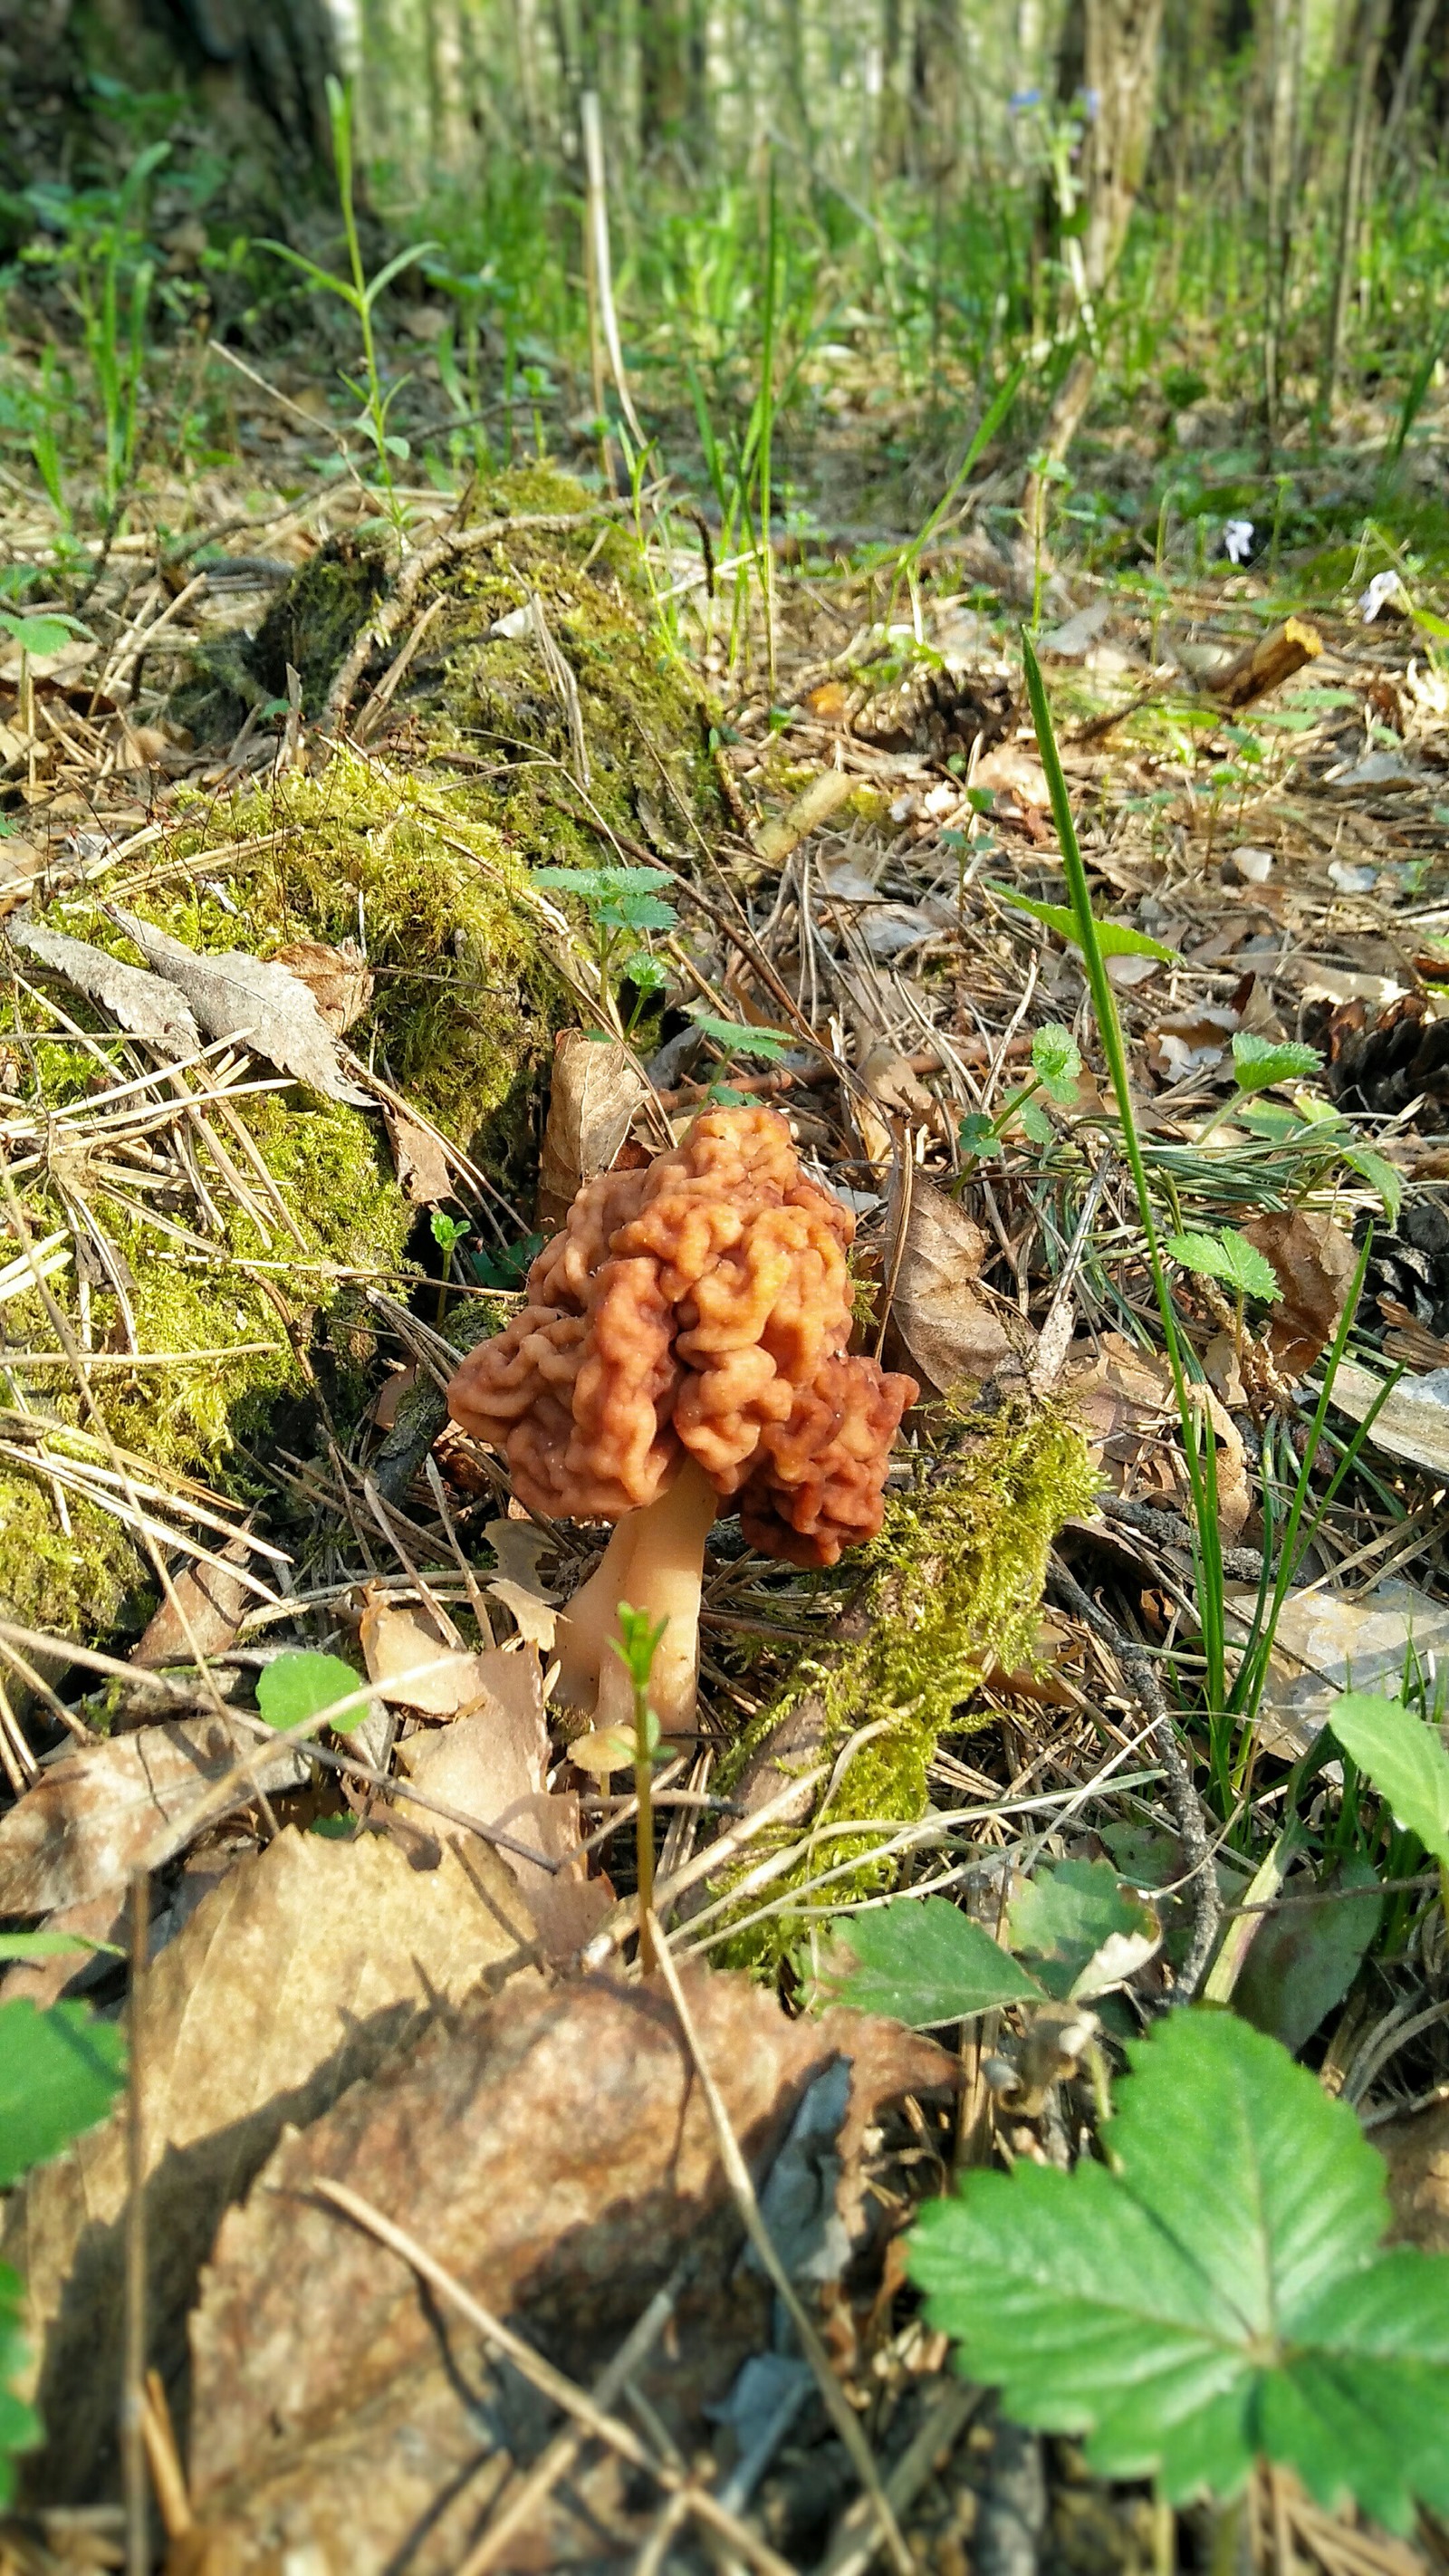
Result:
60,2071
1114,938
1260,1062
1217,2296
977,1137
1056,1060
1227,1257
299,1686
1402,1755
924,1962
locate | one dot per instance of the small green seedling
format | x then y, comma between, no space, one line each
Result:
1056,1065
622,904
48,633
1227,1257
1258,1065
636,1647
301,1686
447,1232
1110,938
1214,2295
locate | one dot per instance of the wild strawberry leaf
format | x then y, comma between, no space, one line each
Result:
1260,1062
1405,1760
1227,1257
1215,2297
924,1962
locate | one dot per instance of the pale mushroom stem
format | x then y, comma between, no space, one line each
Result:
655,1562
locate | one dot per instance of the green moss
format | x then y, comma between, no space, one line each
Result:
954,1584
309,626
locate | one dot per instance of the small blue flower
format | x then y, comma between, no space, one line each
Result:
1024,98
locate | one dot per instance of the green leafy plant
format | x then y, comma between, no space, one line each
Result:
1227,1257
447,1233
1258,1064
49,633
622,904
300,1686
1401,1753
1075,1931
1056,1065
360,294
1215,2294
60,2071
1109,938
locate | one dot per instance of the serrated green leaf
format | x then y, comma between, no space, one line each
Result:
1114,938
924,1962
1227,1257
19,2427
60,2071
1217,2296
1260,1062
47,634
1379,1174
1056,1060
1061,1920
298,1686
739,1040
634,912
1404,1759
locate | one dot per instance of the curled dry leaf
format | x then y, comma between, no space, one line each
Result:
202,1617
1325,1643
413,1665
293,1979
554,2153
945,1320
339,979
424,1174
234,995
1129,1412
493,1765
145,1007
106,1808
596,1089
518,1545
20,864
1314,1262
535,1619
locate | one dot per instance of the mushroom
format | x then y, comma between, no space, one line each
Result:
682,1345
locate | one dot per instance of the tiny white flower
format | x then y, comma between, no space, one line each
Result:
1238,540
1384,587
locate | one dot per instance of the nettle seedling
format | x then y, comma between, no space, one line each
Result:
1056,1066
1215,2293
730,1039
623,904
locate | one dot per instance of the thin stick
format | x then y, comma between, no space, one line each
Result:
553,2384
737,2174
133,2383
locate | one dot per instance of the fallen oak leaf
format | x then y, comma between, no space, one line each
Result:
412,1664
944,1319
424,1173
1314,1264
339,979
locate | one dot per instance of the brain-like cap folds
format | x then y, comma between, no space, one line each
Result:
702,1307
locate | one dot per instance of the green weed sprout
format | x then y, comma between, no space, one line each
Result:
621,903
636,1648
1258,1065
448,1232
1233,1262
47,634
360,294
1056,1063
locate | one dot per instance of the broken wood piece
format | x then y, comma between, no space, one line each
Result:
1267,664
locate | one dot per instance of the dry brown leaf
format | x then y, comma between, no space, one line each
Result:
493,1766
234,995
209,1600
294,1978
1326,1642
100,1811
535,1620
553,2151
596,1090
424,1173
412,1664
1128,1408
1194,1041
945,1321
1314,1262
145,1006
338,979
20,865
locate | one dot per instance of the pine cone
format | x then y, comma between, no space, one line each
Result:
938,713
1381,1059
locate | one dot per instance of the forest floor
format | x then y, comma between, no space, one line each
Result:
570,2356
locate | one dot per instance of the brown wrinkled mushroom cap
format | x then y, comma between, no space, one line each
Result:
696,1309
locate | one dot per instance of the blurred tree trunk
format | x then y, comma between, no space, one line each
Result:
936,67
1365,47
251,71
1121,40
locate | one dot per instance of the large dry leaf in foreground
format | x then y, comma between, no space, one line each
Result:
97,1814
942,1316
233,994
292,1980
555,2154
